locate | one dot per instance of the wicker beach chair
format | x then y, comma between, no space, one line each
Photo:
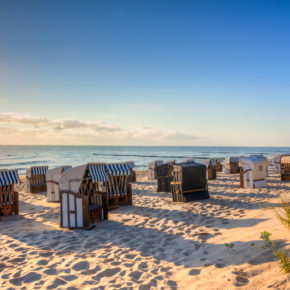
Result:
164,176
119,189
152,169
83,195
253,173
9,203
285,167
211,168
36,179
232,165
52,182
189,182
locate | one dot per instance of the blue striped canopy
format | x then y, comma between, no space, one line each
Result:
98,172
8,177
118,169
38,170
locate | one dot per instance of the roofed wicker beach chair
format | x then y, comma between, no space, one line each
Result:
9,202
36,179
253,172
219,166
232,165
119,189
52,182
164,176
189,182
83,195
285,167
211,168
152,169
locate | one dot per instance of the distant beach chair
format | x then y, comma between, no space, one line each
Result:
232,165
52,182
119,189
211,168
152,169
285,167
9,202
219,166
189,182
164,176
83,195
36,179
276,162
253,172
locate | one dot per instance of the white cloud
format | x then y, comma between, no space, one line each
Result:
39,130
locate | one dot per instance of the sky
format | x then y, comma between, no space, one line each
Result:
213,73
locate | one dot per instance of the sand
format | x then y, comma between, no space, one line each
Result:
153,244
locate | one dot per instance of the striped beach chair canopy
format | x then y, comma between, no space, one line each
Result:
98,172
118,169
39,170
8,177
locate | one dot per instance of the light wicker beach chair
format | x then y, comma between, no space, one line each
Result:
253,172
52,182
83,195
152,169
36,179
9,203
232,165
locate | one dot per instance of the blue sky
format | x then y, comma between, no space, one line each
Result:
145,72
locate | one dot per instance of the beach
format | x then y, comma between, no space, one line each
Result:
151,245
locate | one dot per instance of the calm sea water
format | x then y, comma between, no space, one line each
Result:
22,157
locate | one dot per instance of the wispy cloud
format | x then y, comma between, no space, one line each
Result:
69,131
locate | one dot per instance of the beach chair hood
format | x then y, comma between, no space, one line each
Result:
36,170
8,177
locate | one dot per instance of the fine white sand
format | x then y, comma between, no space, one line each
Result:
153,244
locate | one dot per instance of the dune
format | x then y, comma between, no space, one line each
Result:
153,244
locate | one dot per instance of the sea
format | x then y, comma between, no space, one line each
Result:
23,157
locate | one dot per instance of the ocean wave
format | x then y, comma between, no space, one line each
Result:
150,156
23,163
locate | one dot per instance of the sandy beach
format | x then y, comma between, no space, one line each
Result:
153,244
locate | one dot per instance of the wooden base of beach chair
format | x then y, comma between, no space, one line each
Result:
11,207
113,203
191,195
77,213
36,189
285,177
